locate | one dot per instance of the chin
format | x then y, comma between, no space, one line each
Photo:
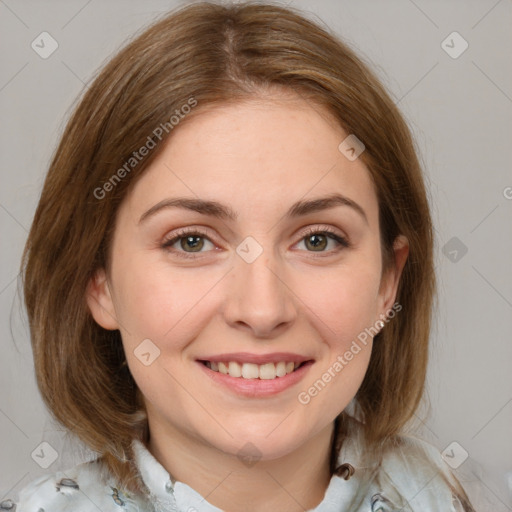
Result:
265,441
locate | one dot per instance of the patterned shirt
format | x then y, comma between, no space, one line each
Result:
409,479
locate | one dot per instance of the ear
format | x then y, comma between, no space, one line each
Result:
100,301
391,276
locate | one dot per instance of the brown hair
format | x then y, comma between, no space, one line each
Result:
213,54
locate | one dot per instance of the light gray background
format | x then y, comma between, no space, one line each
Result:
461,113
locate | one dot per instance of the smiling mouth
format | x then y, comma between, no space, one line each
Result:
267,371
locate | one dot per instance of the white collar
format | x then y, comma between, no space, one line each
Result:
178,496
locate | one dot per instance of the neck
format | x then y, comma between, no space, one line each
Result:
294,482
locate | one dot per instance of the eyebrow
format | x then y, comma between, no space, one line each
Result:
221,211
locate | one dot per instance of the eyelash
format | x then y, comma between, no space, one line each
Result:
327,231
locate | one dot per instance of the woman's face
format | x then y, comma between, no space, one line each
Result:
268,275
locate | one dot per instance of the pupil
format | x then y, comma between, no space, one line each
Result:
318,243
198,244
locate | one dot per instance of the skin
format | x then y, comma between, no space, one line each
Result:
257,157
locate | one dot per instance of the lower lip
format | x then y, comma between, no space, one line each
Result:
257,388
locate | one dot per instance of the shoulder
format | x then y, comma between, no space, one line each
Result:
417,470
85,488
411,475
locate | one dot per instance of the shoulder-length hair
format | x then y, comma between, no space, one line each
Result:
200,55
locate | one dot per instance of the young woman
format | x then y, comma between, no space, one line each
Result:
229,279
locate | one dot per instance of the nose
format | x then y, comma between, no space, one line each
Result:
258,299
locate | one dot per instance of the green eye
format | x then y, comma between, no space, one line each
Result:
195,242
190,242
317,241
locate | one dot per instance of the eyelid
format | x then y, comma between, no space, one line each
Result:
183,232
321,228
334,234
170,239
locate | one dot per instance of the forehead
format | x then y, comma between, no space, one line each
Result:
257,155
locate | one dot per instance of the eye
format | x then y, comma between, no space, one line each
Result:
188,242
317,240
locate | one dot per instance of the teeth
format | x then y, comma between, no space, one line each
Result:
281,369
267,371
234,369
250,371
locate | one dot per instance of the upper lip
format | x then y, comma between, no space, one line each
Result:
246,357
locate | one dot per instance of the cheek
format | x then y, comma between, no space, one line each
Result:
158,301
153,299
343,310
345,301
